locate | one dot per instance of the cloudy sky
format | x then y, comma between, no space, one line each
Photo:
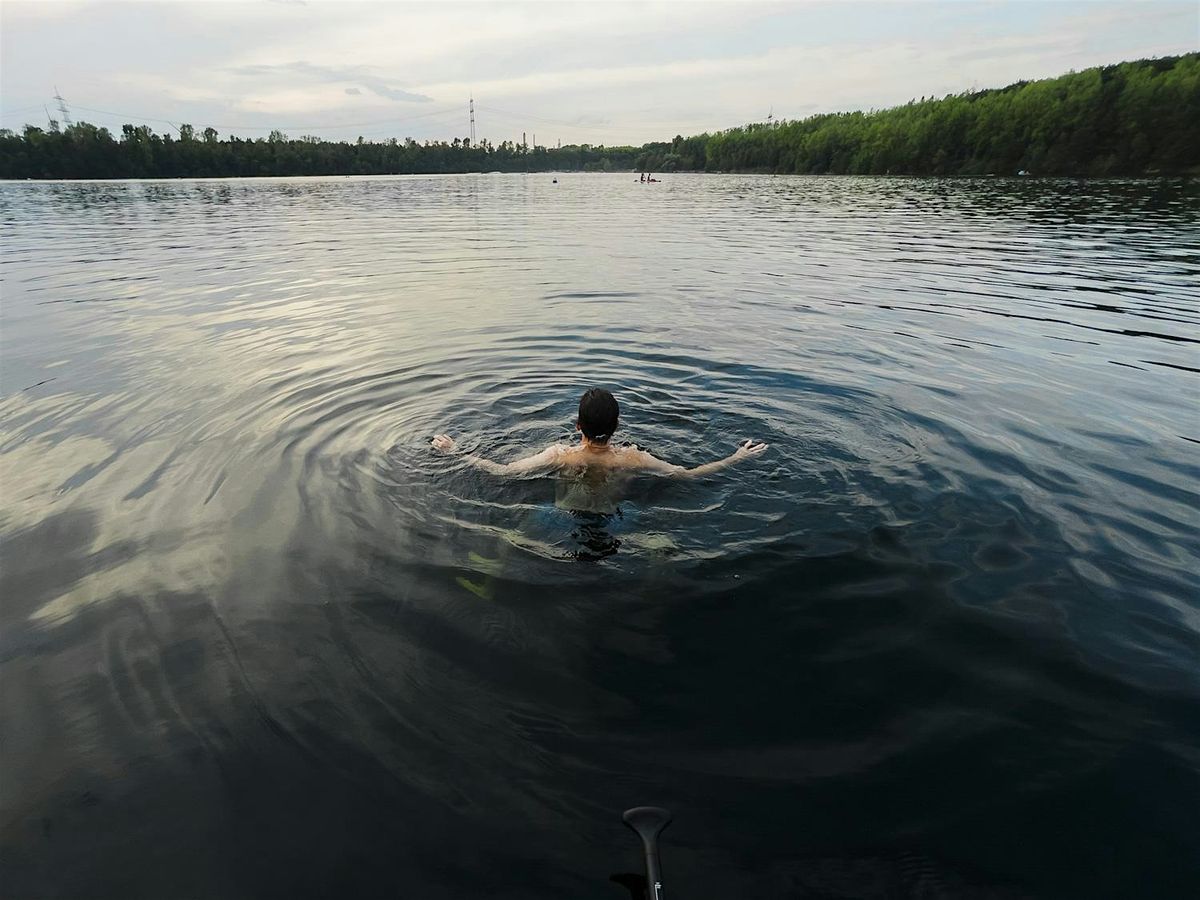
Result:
591,72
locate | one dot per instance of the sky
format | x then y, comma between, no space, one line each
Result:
596,72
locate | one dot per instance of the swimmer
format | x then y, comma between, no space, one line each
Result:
598,415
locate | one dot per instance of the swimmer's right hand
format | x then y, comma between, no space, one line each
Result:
444,443
750,448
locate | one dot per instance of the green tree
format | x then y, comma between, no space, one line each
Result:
1134,118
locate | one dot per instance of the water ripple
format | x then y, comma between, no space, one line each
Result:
956,598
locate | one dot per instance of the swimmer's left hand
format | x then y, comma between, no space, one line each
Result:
443,443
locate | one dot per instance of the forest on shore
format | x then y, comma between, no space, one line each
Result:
1132,118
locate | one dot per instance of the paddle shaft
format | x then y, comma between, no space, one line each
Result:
648,822
654,889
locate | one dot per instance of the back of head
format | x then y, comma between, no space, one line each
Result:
598,414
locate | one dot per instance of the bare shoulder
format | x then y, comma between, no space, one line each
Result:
549,458
634,457
560,454
556,453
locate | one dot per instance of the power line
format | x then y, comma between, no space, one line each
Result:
515,116
245,127
22,109
447,118
129,116
445,112
608,129
445,115
560,122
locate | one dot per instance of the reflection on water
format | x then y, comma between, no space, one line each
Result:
592,489
592,496
256,639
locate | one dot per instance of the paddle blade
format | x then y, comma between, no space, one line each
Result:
647,821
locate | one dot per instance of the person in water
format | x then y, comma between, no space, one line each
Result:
599,413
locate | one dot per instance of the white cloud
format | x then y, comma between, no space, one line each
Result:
611,72
305,71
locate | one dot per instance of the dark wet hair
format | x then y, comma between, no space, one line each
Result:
598,414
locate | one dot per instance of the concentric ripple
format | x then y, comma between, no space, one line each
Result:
259,639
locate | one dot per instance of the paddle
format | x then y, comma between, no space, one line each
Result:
648,822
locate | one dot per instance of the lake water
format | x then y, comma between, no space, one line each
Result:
942,639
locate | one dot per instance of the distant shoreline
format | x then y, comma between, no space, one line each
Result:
664,178
1130,120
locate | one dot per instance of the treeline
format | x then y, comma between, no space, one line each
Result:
84,151
1135,118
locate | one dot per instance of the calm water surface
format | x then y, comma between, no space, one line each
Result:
259,641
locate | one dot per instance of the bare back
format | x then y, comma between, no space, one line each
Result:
628,458
595,457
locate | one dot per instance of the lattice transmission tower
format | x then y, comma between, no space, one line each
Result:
62,108
472,109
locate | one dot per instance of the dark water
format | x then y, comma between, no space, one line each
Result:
941,640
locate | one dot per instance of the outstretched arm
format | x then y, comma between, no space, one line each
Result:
544,460
745,451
